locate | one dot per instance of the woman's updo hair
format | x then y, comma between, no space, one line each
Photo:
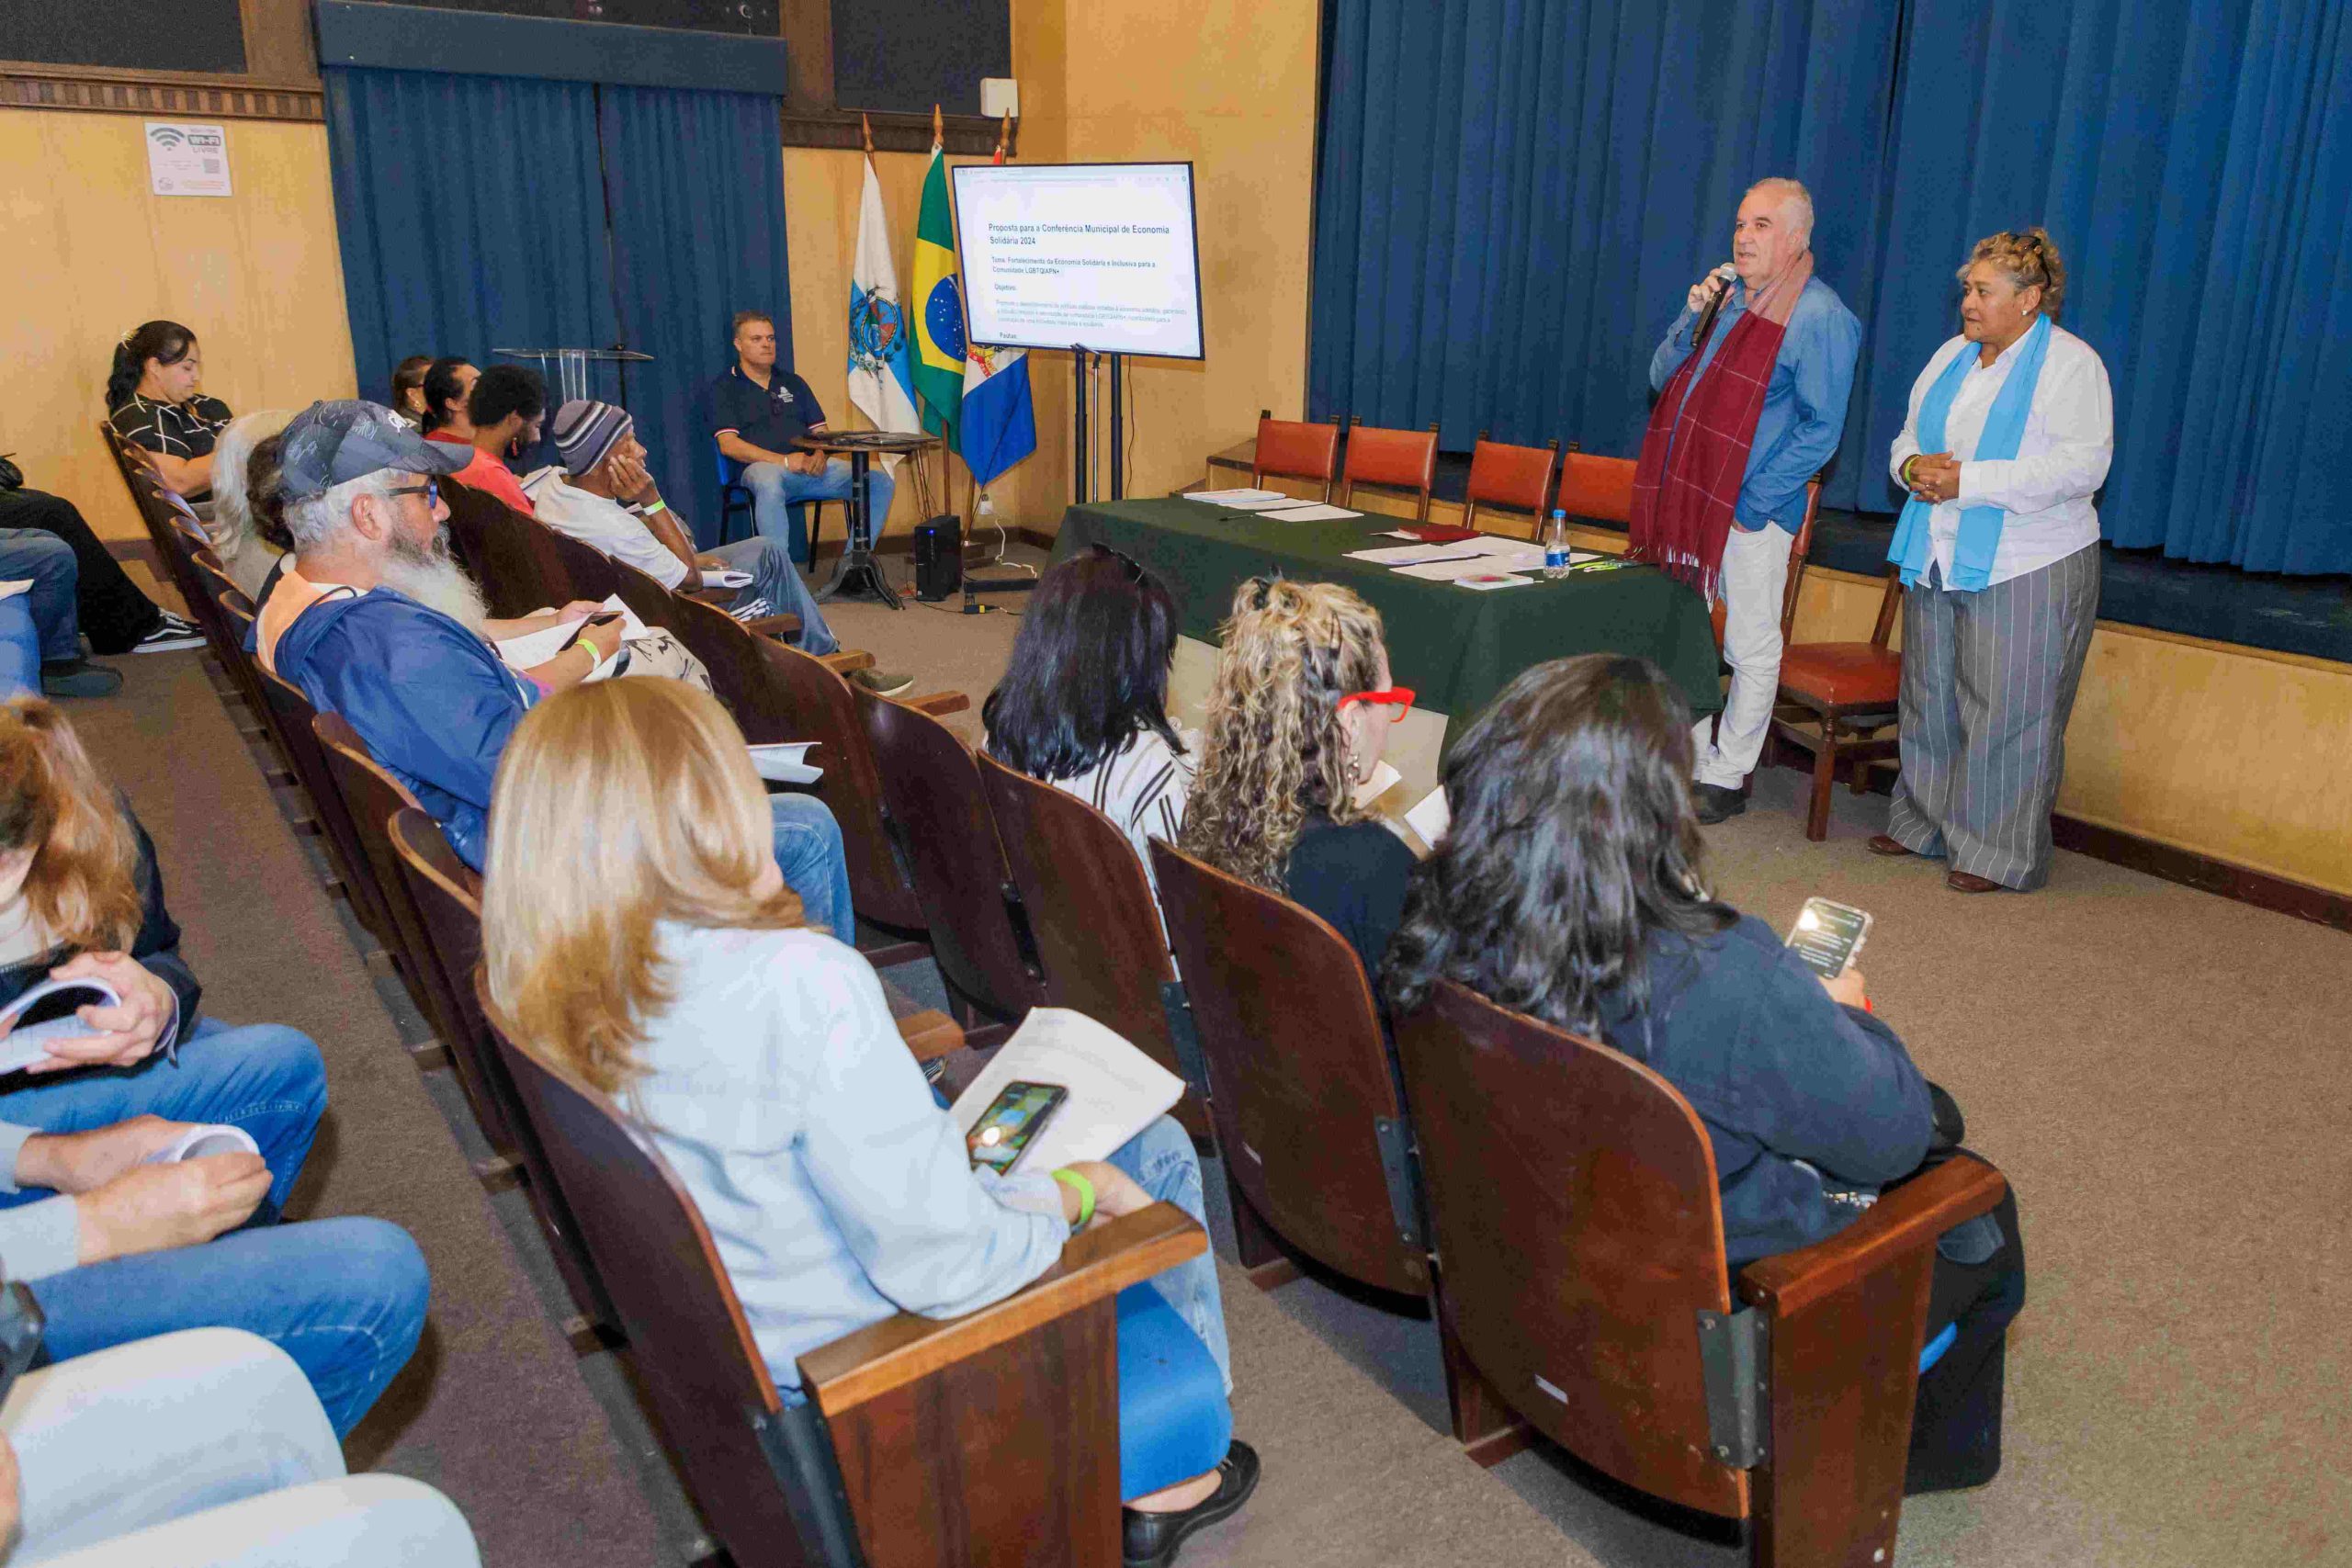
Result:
2030,257
166,342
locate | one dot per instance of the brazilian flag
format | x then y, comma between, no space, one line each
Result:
939,309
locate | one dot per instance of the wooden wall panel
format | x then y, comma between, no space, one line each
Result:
93,253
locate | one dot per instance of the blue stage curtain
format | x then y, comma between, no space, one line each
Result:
2193,161
1515,195
471,217
696,181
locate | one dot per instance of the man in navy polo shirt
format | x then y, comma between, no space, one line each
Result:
755,411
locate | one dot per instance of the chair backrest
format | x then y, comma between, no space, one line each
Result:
1518,478
1406,459
803,696
1597,488
645,596
294,715
1299,1076
1572,1198
1890,605
1294,449
931,789
589,573
237,621
1089,909
696,1362
730,651
510,555
1800,551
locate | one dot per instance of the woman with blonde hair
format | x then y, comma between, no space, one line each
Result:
1297,718
759,1056
2010,435
238,535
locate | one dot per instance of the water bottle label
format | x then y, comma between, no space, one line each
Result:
1555,555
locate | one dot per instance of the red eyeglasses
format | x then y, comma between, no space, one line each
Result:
1397,697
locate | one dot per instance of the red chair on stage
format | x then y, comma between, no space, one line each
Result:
1600,489
1398,459
1853,690
1292,449
1518,479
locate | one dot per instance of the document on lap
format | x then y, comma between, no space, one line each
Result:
721,577
536,648
47,1012
787,762
1115,1091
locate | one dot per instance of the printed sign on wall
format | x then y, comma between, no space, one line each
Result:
188,160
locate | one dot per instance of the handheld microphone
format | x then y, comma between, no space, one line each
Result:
1714,307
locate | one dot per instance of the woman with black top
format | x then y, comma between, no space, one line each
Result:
152,403
1568,889
1297,719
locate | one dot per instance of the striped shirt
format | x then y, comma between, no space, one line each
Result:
175,430
1143,788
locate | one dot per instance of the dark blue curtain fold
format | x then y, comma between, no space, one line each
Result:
471,217
695,182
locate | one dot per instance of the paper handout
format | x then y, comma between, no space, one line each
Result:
725,577
50,1011
1314,512
215,1138
537,647
1228,497
787,762
1115,1091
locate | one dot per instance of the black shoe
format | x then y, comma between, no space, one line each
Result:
171,632
79,678
1714,804
1152,1538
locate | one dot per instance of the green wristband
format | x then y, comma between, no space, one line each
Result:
1085,1191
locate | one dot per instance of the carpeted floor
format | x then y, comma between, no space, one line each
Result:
2156,1069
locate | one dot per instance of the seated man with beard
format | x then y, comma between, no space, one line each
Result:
375,621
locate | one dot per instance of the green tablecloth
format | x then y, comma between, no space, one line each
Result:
1456,647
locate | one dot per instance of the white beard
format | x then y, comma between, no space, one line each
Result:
436,580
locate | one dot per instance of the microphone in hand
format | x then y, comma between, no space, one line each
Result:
1716,288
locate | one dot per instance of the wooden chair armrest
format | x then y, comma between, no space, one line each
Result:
845,662
1903,1220
928,1033
1094,1266
773,625
939,705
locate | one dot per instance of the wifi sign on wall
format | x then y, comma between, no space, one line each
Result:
188,160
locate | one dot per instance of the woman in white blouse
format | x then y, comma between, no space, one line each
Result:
2010,432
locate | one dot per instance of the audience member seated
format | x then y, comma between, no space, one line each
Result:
245,547
1083,704
607,498
755,411
117,618
123,1249
408,390
205,1447
1297,718
448,382
1569,888
376,622
503,411
51,612
152,403
760,1057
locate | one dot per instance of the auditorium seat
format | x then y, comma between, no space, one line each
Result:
1852,691
1599,488
1516,478
1091,912
1398,459
981,1439
1573,1198
505,551
1295,450
293,713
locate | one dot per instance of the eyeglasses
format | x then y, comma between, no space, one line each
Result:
430,489
1397,697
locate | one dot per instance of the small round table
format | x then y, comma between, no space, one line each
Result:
857,573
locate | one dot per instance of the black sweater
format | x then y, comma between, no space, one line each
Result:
156,945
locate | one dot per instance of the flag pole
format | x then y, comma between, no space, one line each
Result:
1003,136
946,473
867,122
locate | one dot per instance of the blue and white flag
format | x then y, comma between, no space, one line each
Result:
880,384
998,425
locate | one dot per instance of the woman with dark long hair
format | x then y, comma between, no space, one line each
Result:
446,385
152,402
1569,888
1083,704
408,390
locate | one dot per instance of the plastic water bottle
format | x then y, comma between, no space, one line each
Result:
1556,544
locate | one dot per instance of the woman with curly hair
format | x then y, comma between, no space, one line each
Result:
1568,889
1297,718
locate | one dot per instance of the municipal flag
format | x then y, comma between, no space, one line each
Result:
881,381
939,309
999,426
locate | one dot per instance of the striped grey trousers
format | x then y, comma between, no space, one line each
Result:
1988,682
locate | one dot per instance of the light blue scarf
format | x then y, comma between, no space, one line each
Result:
1980,527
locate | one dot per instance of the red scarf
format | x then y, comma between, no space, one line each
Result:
1694,454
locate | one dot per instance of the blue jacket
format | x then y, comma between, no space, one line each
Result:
1804,403
432,699
1807,1103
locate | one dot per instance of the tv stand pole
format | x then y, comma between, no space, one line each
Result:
1118,416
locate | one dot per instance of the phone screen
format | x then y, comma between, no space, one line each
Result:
1011,1123
1827,935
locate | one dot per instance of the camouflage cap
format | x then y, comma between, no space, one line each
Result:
330,443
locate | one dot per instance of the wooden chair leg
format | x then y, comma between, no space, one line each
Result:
1825,779
1484,1423
1255,1244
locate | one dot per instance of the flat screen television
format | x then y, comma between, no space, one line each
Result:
1101,256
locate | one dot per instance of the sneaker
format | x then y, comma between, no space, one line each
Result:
171,633
1150,1541
882,683
751,611
1714,804
80,677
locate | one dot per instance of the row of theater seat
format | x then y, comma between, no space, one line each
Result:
1554,1202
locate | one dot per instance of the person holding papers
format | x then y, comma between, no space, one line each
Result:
761,1059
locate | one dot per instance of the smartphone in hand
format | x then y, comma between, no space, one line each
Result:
1011,1124
1827,935
605,619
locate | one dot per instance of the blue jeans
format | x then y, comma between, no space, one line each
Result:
808,853
49,561
773,579
773,489
19,649
1161,1161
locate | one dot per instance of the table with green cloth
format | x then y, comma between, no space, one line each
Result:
1457,647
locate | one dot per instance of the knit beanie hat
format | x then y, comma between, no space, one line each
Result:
585,430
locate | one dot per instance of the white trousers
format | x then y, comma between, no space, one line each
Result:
1755,573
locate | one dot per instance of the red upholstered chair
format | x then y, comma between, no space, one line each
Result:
1597,488
1852,691
1516,478
1295,450
1799,552
1404,460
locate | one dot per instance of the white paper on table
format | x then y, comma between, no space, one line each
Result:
1431,818
1225,497
1383,778
1266,503
217,1138
1515,555
1115,1091
725,577
1408,555
14,586
787,762
1314,512
537,647
1455,570
1489,580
